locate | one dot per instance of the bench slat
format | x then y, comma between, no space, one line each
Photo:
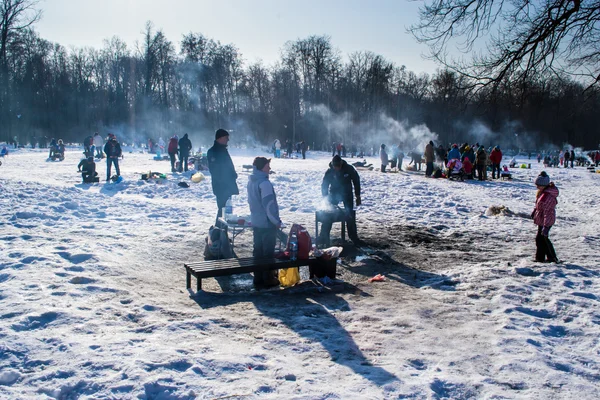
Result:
240,262
232,266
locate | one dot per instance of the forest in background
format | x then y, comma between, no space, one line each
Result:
159,88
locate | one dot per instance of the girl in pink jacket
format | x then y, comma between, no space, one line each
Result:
544,216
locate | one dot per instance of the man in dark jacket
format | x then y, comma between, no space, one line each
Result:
338,184
222,171
87,146
87,167
112,149
185,145
429,158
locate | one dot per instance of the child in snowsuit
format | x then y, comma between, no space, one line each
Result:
544,215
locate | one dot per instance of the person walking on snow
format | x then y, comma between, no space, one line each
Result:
222,171
544,216
112,149
264,213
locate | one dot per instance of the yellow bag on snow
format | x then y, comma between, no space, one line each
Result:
198,177
289,276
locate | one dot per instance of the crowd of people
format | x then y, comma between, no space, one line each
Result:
299,148
470,160
568,158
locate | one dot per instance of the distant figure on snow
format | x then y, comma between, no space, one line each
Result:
185,146
98,143
87,167
88,142
429,158
172,151
383,155
112,149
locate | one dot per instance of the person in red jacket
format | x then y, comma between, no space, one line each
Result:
172,150
496,159
544,215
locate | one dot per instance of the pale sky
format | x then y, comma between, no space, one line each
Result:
258,28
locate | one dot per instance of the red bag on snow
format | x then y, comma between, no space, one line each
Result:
304,241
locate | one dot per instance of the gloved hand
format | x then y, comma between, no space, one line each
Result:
358,201
533,214
545,231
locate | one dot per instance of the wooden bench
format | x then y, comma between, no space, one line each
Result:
231,266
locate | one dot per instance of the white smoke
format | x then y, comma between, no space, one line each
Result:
381,129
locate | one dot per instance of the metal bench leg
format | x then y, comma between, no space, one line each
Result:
343,231
198,284
188,279
316,230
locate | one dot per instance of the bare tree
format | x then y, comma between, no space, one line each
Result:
15,16
522,37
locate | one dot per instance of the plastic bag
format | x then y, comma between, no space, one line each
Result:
198,177
289,276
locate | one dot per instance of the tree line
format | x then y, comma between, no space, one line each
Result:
312,93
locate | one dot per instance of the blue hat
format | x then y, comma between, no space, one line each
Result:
543,179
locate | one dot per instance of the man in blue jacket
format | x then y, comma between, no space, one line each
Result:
222,171
264,213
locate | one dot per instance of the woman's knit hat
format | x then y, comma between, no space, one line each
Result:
543,179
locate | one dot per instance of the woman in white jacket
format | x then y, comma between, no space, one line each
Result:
98,144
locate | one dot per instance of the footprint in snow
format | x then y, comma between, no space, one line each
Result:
35,322
590,296
417,364
75,258
74,269
81,280
532,312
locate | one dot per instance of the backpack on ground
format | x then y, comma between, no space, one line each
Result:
217,244
291,276
304,241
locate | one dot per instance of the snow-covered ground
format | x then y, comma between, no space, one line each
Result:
94,305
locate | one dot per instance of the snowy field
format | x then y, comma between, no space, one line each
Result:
94,305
